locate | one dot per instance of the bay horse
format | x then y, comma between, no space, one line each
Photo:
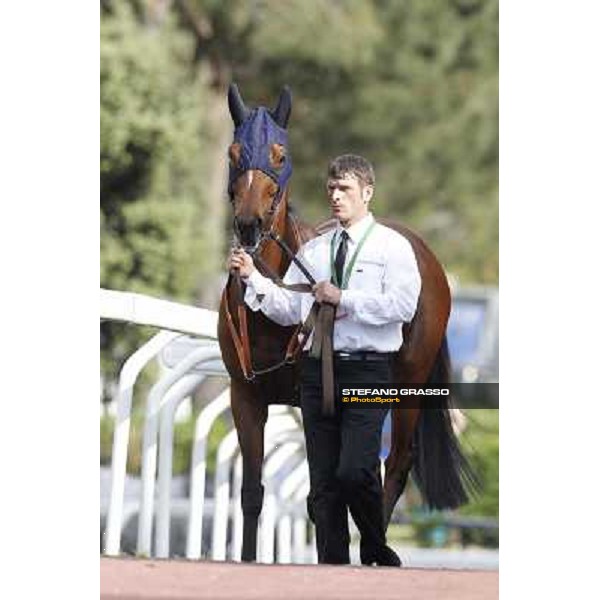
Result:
252,346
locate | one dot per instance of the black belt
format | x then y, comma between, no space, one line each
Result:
361,355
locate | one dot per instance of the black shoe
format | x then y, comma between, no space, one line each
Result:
384,557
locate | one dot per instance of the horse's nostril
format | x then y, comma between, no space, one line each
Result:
248,231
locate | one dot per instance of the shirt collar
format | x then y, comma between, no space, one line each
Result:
356,231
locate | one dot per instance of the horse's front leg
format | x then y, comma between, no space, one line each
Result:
250,416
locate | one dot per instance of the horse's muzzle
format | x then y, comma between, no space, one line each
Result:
248,232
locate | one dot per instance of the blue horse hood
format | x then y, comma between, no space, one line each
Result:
256,135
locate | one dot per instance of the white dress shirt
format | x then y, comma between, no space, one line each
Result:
382,294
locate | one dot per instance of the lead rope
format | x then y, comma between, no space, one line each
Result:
322,318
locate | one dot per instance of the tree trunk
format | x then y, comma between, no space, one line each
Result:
217,210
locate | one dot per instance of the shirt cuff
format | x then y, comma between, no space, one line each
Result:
347,302
255,292
255,279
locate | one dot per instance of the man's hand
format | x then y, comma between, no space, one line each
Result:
327,292
240,259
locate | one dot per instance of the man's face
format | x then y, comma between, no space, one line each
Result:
349,200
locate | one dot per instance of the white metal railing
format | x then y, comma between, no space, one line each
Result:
204,423
156,401
129,374
285,451
145,310
142,310
289,506
188,361
177,393
280,431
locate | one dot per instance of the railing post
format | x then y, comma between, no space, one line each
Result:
287,447
180,390
129,373
284,525
204,424
149,450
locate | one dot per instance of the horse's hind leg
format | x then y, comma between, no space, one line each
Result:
399,461
249,415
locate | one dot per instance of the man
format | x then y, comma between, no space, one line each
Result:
374,283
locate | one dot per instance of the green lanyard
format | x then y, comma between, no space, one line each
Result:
348,270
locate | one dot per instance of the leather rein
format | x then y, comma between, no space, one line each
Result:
320,319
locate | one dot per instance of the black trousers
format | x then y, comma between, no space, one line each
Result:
343,458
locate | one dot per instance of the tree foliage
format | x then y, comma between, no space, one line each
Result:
411,85
151,159
153,237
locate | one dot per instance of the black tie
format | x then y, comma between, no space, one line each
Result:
340,257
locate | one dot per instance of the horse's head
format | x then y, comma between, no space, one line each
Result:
259,164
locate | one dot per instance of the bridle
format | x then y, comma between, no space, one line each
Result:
320,318
255,131
241,337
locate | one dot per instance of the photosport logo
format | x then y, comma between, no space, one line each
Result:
397,395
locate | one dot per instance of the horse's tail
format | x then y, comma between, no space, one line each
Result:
440,469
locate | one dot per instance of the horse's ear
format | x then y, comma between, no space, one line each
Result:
237,108
284,107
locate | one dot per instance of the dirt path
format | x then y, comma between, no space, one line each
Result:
128,579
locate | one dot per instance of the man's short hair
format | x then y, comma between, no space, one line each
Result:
351,164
